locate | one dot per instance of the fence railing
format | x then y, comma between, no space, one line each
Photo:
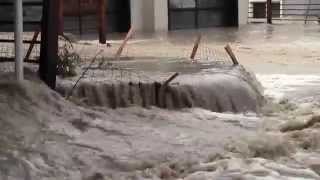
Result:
31,23
271,11
10,22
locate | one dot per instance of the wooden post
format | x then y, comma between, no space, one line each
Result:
195,47
33,42
101,10
79,17
231,54
125,41
167,82
269,11
61,17
49,42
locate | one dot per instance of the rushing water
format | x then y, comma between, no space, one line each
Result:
233,90
46,137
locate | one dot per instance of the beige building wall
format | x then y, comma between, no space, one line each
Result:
243,8
142,15
161,15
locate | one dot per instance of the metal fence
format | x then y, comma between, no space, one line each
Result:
79,17
32,22
282,11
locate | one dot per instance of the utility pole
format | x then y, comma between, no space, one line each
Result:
49,42
61,17
80,17
101,9
18,36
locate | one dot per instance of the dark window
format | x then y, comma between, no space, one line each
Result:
260,10
182,19
276,10
186,14
182,4
118,15
211,3
210,18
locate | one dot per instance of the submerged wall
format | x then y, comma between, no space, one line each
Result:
233,91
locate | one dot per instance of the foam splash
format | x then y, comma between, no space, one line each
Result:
295,87
44,137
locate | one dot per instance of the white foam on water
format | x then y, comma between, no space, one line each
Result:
281,86
45,137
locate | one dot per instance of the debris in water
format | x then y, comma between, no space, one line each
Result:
300,125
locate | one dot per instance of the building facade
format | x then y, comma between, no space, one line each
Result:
144,15
301,7
295,9
164,15
257,8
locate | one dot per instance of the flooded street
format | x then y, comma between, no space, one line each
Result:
285,61
210,122
285,57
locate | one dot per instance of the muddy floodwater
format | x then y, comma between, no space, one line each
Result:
257,121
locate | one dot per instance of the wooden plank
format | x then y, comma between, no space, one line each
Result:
34,39
195,47
124,43
232,55
167,82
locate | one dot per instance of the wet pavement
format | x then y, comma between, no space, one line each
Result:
263,48
285,57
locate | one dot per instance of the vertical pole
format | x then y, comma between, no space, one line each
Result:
269,11
49,42
61,17
18,39
101,9
79,17
307,12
